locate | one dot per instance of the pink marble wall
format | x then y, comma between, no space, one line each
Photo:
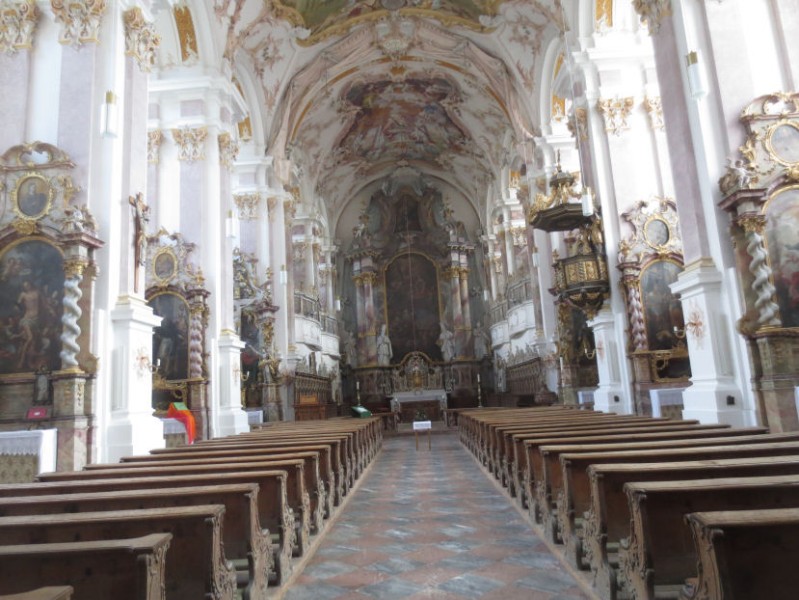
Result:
14,78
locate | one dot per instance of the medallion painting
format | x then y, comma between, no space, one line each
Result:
171,337
412,306
782,236
662,309
402,120
31,295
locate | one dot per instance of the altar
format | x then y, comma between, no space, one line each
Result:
431,403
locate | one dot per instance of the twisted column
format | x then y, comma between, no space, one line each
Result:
196,328
767,309
635,309
73,276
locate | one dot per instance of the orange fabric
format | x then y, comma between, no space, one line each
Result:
185,417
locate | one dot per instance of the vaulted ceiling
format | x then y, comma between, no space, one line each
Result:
354,92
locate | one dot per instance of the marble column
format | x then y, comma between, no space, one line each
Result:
370,333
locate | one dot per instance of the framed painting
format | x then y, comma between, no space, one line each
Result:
782,241
412,307
171,337
32,196
31,296
662,309
164,266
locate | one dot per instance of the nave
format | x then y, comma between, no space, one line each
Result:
431,524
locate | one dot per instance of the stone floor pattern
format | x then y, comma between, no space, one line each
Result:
430,524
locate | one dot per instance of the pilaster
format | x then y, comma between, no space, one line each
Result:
231,419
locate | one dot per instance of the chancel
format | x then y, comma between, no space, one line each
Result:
245,245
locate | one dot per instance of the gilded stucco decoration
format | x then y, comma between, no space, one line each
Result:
228,149
141,40
654,108
17,25
247,205
80,20
616,111
652,12
154,140
186,33
190,143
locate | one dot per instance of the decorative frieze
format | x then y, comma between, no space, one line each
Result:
154,139
80,20
616,111
654,108
190,142
652,12
141,40
247,205
228,150
17,25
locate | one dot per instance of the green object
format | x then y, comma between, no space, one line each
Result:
180,406
359,412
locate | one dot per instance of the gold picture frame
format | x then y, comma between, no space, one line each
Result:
164,266
32,196
657,233
777,142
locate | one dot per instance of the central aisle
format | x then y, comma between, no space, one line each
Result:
430,524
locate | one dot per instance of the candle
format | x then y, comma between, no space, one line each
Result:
357,385
478,378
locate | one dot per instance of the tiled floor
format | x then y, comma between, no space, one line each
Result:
430,524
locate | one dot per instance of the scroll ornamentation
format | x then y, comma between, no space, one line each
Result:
191,143
141,40
80,20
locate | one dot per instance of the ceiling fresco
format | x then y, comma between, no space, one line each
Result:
355,92
402,120
323,18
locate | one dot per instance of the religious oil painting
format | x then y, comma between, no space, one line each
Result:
412,306
171,337
784,143
402,120
782,238
33,195
662,309
31,296
164,265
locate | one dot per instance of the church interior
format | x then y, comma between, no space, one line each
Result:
304,250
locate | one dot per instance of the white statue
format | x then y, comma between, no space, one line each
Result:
482,342
447,343
384,350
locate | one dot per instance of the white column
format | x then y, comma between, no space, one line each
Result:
132,428
231,419
610,395
713,396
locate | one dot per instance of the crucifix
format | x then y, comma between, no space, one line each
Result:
141,215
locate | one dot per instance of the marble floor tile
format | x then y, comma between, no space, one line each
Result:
431,524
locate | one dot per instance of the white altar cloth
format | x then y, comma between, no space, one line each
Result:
39,442
401,398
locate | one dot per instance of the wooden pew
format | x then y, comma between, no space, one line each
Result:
526,446
329,460
130,569
238,453
197,566
567,467
746,554
274,513
247,545
629,428
659,555
608,520
502,452
313,483
298,498
535,475
45,593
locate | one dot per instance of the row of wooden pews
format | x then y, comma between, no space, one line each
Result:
652,508
219,520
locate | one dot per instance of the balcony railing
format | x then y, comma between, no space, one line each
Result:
498,312
306,306
519,292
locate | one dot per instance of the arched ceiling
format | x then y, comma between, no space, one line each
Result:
356,92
